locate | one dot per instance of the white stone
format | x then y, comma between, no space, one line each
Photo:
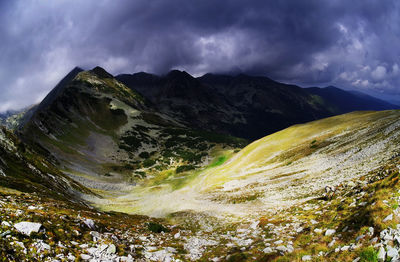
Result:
330,232
397,238
306,258
143,238
267,250
5,224
381,254
177,235
27,228
392,252
89,223
345,248
20,244
331,243
318,230
359,237
371,231
281,248
41,246
111,249
248,242
278,242
102,248
374,240
85,257
254,225
388,218
126,259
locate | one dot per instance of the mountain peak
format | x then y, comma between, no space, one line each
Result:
333,88
178,74
59,88
142,74
77,69
101,72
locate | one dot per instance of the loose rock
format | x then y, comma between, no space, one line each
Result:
27,228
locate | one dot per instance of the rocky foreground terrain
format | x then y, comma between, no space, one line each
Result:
359,221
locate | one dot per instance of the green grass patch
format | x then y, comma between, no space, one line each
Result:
219,161
368,254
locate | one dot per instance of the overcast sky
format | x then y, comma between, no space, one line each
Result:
349,44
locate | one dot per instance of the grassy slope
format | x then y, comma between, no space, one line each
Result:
292,144
275,171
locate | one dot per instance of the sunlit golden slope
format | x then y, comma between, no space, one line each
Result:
278,170
315,139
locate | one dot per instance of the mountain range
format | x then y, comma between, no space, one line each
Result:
244,106
210,168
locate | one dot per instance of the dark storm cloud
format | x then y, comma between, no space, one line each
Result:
348,44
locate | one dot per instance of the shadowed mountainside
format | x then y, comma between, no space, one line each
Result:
243,106
107,136
347,101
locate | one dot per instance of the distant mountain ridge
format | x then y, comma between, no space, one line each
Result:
244,106
241,106
14,119
347,101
